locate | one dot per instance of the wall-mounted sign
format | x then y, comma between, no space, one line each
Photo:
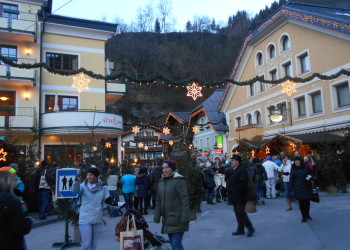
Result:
218,150
219,141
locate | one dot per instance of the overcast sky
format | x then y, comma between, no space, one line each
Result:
182,10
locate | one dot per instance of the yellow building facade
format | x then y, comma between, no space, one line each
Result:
56,112
297,41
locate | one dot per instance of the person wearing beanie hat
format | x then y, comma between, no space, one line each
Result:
93,195
237,186
173,205
301,182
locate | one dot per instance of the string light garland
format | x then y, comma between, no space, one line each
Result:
161,79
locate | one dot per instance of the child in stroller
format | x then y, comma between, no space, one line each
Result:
151,241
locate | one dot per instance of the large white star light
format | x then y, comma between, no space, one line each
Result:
194,91
288,87
80,82
166,131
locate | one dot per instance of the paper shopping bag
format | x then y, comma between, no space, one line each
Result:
131,239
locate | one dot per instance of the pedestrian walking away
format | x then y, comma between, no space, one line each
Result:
237,187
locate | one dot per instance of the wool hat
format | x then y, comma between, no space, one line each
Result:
236,157
298,158
171,164
93,171
269,158
11,170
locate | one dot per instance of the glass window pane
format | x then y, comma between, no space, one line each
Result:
343,95
301,107
316,102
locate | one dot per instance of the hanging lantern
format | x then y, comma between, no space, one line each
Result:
145,148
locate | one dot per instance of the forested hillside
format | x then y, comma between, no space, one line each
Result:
205,51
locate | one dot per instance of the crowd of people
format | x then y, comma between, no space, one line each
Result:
160,187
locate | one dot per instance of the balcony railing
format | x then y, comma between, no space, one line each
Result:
18,21
18,117
6,71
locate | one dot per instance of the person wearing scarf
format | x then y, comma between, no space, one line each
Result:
93,195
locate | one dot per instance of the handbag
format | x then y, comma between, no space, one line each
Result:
315,195
43,183
131,239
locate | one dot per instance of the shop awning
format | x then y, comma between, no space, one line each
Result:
318,137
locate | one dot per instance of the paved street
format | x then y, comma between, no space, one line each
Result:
275,228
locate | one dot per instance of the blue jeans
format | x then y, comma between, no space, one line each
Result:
176,241
115,195
287,190
210,192
259,190
44,202
128,201
89,235
154,197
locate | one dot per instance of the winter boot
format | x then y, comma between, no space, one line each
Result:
208,201
289,202
211,201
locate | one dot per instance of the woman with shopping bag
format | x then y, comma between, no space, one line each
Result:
172,205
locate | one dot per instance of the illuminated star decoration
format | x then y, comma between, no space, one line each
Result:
94,148
122,148
288,87
140,145
195,129
267,150
171,142
2,154
293,145
136,129
194,91
145,148
108,145
166,131
80,83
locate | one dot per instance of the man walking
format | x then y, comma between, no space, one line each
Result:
237,187
270,168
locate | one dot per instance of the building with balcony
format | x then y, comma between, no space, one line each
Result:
297,40
59,112
143,147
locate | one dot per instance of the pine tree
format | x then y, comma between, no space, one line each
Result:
189,27
157,26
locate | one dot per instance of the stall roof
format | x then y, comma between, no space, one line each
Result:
318,137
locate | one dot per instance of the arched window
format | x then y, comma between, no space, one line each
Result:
249,119
259,59
285,43
272,51
258,117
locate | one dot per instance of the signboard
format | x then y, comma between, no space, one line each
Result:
219,141
64,183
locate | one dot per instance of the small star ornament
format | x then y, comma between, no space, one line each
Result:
122,149
267,150
166,131
140,145
195,129
136,129
2,154
80,82
194,91
288,87
145,148
108,145
171,142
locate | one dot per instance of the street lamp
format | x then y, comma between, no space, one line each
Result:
275,114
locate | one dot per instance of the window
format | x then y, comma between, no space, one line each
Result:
200,143
301,106
271,51
207,142
65,103
273,74
343,94
262,86
249,119
251,89
285,43
259,59
9,51
287,69
258,117
238,122
304,63
149,133
316,100
283,108
9,10
62,61
8,103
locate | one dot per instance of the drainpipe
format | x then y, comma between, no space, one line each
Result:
40,80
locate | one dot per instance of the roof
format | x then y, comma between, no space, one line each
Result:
83,23
181,117
210,107
318,137
337,19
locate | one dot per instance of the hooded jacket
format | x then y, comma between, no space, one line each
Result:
172,204
91,209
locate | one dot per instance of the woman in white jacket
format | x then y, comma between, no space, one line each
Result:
93,195
285,169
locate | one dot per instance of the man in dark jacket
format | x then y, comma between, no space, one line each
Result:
237,186
155,177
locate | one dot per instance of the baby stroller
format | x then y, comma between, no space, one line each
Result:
116,209
150,241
